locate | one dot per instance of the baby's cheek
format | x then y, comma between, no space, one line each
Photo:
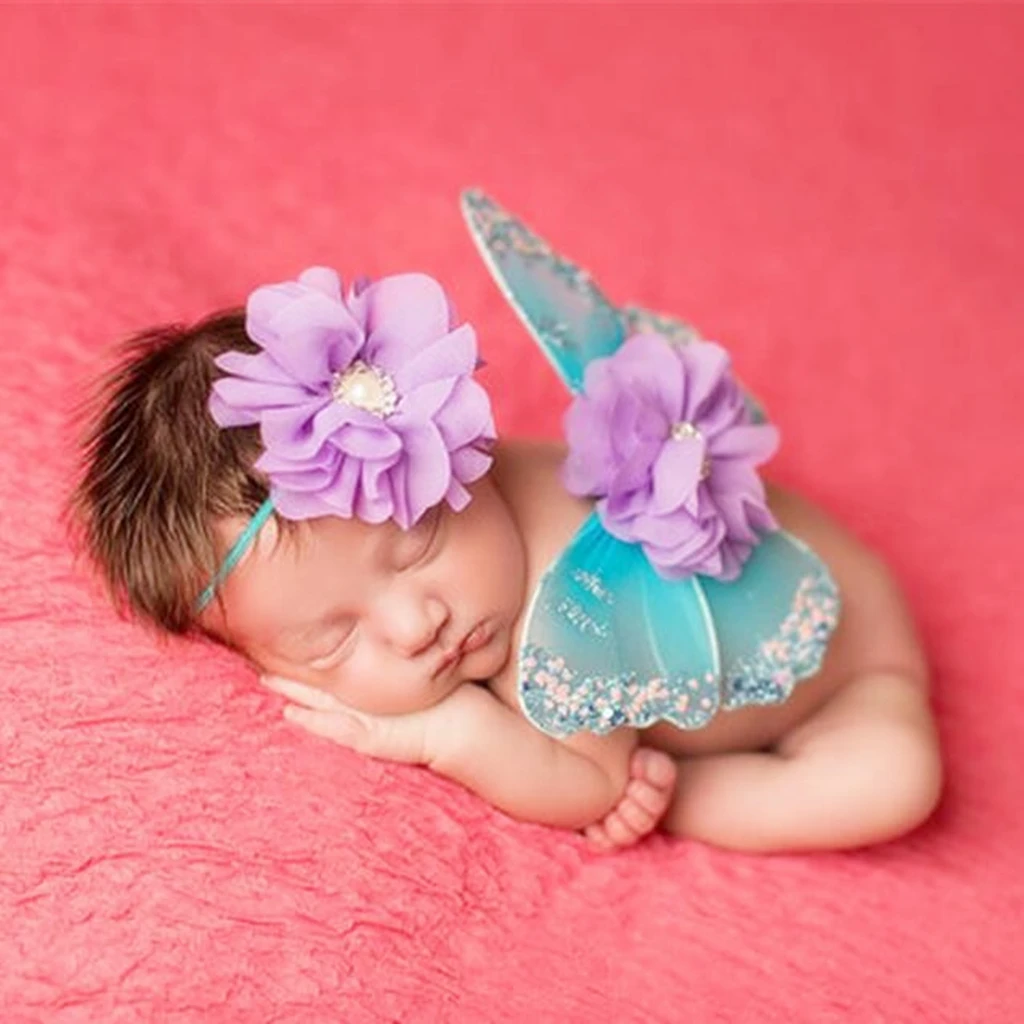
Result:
348,682
380,686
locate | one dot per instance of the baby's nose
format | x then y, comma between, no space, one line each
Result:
415,624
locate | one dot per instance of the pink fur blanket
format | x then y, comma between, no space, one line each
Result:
834,193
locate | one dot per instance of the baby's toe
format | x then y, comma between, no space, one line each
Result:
653,800
618,829
655,767
636,815
598,838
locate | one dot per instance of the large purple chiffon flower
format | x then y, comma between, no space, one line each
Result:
662,436
365,403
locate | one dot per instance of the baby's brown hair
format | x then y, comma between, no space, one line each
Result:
157,472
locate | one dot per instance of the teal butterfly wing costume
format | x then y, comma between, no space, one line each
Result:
608,641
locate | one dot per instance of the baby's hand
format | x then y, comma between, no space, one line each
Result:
647,798
408,738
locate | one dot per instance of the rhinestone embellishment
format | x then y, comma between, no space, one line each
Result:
680,431
366,386
685,431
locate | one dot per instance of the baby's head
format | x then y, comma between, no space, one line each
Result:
388,617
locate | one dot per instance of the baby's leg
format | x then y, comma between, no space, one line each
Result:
863,769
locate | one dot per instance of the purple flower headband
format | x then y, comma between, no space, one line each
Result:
662,436
365,403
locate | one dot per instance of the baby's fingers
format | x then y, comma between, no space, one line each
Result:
389,737
307,696
338,726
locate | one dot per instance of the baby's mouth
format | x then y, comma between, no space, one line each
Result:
447,661
479,636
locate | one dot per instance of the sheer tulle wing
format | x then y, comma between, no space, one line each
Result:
773,623
557,300
609,643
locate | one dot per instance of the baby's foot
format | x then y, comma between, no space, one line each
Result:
647,798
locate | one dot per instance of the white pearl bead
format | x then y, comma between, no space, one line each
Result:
366,387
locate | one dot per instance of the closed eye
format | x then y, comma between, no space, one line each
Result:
338,652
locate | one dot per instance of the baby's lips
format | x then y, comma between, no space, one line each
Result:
479,636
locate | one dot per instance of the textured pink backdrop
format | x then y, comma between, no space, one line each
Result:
835,192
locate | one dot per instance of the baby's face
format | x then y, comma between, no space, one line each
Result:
389,621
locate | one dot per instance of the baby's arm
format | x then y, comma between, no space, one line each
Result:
474,739
605,785
499,755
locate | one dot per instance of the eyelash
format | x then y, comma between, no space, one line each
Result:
331,657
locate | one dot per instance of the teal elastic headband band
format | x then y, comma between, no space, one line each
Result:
234,556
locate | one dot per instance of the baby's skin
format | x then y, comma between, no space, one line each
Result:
403,646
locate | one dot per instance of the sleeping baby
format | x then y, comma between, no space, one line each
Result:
627,631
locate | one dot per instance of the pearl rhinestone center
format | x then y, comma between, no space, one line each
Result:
366,386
